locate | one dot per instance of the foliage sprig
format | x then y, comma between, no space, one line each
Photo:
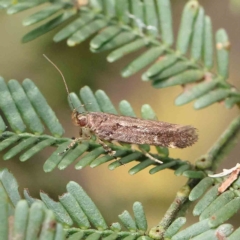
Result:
75,216
128,26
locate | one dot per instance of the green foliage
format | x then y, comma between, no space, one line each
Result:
75,209
127,26
123,27
76,216
22,221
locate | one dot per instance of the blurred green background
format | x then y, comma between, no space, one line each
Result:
112,191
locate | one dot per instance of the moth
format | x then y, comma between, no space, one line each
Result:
135,130
110,127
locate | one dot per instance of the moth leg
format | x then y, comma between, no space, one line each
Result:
106,147
136,147
71,145
151,157
84,135
108,150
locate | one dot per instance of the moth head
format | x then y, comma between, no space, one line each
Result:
79,119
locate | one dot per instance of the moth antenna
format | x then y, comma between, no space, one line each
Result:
64,81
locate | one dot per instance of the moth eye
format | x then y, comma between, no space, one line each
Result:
82,121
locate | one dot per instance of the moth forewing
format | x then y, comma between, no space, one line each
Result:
133,130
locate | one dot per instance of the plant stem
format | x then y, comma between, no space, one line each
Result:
221,147
176,207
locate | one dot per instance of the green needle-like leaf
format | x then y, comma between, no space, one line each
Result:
94,236
194,174
137,15
89,157
73,208
36,148
140,216
120,39
89,100
96,4
48,227
145,59
131,157
42,108
43,14
10,185
20,147
212,234
207,199
60,212
107,158
192,231
224,213
2,125
175,227
211,97
197,39
217,204
55,158
186,27
87,205
36,216
163,63
75,103
208,43
223,47
47,26
235,235
73,155
179,171
182,78
24,106
164,9
9,108
126,109
200,188
3,214
116,226
126,49
76,236
86,31
162,167
20,220
196,92
60,234
139,167
9,141
177,67
73,27
128,221
122,8
105,102
23,6
110,8
106,35
151,18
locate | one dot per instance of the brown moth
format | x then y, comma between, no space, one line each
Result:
133,130
110,127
